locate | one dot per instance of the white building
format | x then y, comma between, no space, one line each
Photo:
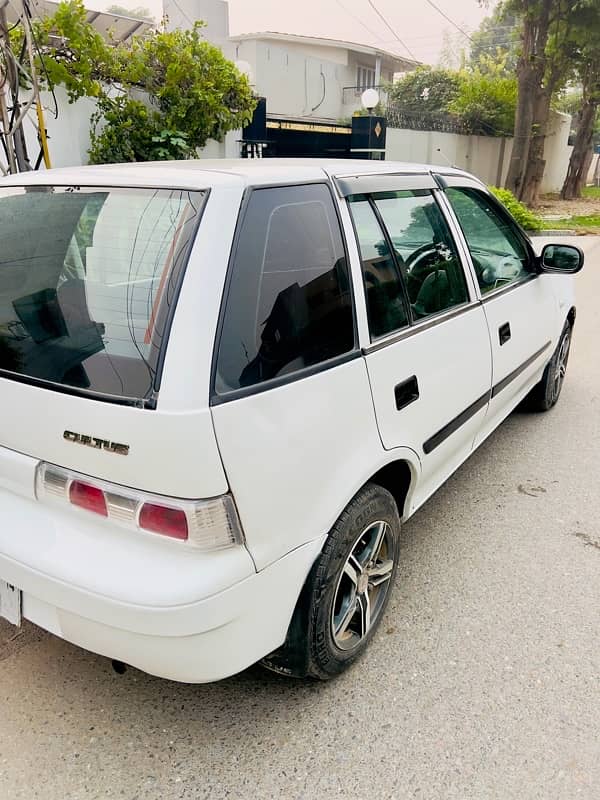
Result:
214,13
300,76
307,76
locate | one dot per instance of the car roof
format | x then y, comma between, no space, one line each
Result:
205,173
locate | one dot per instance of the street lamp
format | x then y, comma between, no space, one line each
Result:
369,99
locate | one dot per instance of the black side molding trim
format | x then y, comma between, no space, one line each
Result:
516,372
441,436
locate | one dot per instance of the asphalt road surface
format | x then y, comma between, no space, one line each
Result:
484,681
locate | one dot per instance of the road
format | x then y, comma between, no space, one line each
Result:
484,681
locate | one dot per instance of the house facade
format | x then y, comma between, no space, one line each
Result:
306,77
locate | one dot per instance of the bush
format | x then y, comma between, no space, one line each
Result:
486,103
425,91
524,216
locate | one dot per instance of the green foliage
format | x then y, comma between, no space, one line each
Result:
496,41
426,90
486,103
524,216
79,58
581,224
161,95
124,129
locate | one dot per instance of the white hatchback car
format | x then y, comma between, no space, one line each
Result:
225,384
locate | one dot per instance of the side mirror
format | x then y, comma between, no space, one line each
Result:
562,258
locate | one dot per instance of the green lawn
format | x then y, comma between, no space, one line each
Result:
590,222
592,191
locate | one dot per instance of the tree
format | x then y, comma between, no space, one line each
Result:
139,12
497,38
160,95
587,118
549,34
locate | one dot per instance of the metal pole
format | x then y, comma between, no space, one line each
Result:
35,87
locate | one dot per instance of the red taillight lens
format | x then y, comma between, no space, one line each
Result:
160,519
88,497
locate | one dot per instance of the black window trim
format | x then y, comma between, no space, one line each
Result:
146,403
421,325
216,399
414,324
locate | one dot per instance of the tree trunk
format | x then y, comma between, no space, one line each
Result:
536,163
580,160
527,75
530,73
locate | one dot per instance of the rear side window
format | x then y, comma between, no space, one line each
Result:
289,303
88,277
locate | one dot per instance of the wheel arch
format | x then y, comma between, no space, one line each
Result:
399,476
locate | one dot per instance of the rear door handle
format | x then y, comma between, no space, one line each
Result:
406,392
504,333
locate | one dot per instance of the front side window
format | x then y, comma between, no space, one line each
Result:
425,251
499,254
289,303
88,278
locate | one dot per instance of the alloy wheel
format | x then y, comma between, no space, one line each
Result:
363,585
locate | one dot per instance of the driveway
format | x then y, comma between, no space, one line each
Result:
484,681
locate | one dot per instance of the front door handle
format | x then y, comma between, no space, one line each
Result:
504,333
406,392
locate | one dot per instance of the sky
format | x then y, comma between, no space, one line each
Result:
416,22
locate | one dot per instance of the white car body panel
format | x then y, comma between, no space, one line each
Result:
449,381
291,455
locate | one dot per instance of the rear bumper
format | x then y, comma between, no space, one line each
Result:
230,630
165,608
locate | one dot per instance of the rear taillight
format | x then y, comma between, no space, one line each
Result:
88,497
205,524
168,521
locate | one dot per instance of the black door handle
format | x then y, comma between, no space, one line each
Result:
406,392
504,333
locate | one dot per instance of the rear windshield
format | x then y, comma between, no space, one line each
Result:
88,282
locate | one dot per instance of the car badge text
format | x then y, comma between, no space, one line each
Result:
97,443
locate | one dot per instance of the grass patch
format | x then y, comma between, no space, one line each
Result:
592,191
591,223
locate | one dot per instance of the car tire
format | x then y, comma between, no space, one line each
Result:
347,591
545,394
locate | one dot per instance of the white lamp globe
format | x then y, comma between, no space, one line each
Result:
369,98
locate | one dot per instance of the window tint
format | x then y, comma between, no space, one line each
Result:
88,280
289,304
499,254
386,306
425,250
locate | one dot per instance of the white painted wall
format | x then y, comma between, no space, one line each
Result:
556,152
484,156
481,155
68,136
300,81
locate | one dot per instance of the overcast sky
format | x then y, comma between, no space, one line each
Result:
417,23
